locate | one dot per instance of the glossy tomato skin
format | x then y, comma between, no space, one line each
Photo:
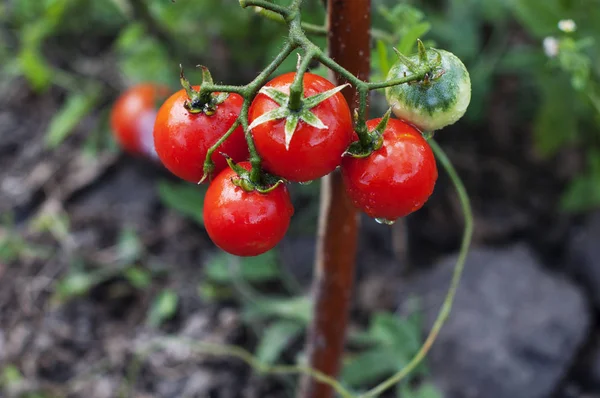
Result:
434,105
313,152
182,138
245,223
395,180
132,117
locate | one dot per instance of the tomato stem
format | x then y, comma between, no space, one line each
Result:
297,38
283,11
338,221
208,163
297,87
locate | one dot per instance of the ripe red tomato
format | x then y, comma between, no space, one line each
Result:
183,138
132,117
245,223
312,152
395,180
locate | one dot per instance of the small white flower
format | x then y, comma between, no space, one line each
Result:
567,25
551,46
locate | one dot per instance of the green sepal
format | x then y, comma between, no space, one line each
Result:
276,95
198,101
316,99
275,114
217,99
193,95
382,125
406,61
435,69
207,170
270,186
428,135
291,122
358,150
311,119
422,51
267,184
293,117
438,59
206,76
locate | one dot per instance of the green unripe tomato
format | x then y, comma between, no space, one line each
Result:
435,102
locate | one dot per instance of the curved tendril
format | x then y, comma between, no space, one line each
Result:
297,38
456,275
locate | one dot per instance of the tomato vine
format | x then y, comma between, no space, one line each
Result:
418,75
298,39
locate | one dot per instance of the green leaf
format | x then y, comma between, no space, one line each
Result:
370,367
274,340
10,376
539,17
146,60
35,68
426,390
58,224
74,284
76,107
138,277
123,6
32,63
583,194
222,268
382,56
163,307
391,330
184,198
130,247
130,36
409,39
555,123
295,308
392,341
14,247
213,292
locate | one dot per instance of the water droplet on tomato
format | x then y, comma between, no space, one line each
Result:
385,221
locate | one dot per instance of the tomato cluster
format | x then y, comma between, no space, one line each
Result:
247,211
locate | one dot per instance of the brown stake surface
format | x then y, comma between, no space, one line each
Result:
349,44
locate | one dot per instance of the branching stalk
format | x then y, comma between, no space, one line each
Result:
338,227
297,38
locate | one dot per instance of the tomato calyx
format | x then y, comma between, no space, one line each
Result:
207,170
429,68
359,150
199,102
428,135
294,116
267,183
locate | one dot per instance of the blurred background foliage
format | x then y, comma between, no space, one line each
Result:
556,70
559,89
